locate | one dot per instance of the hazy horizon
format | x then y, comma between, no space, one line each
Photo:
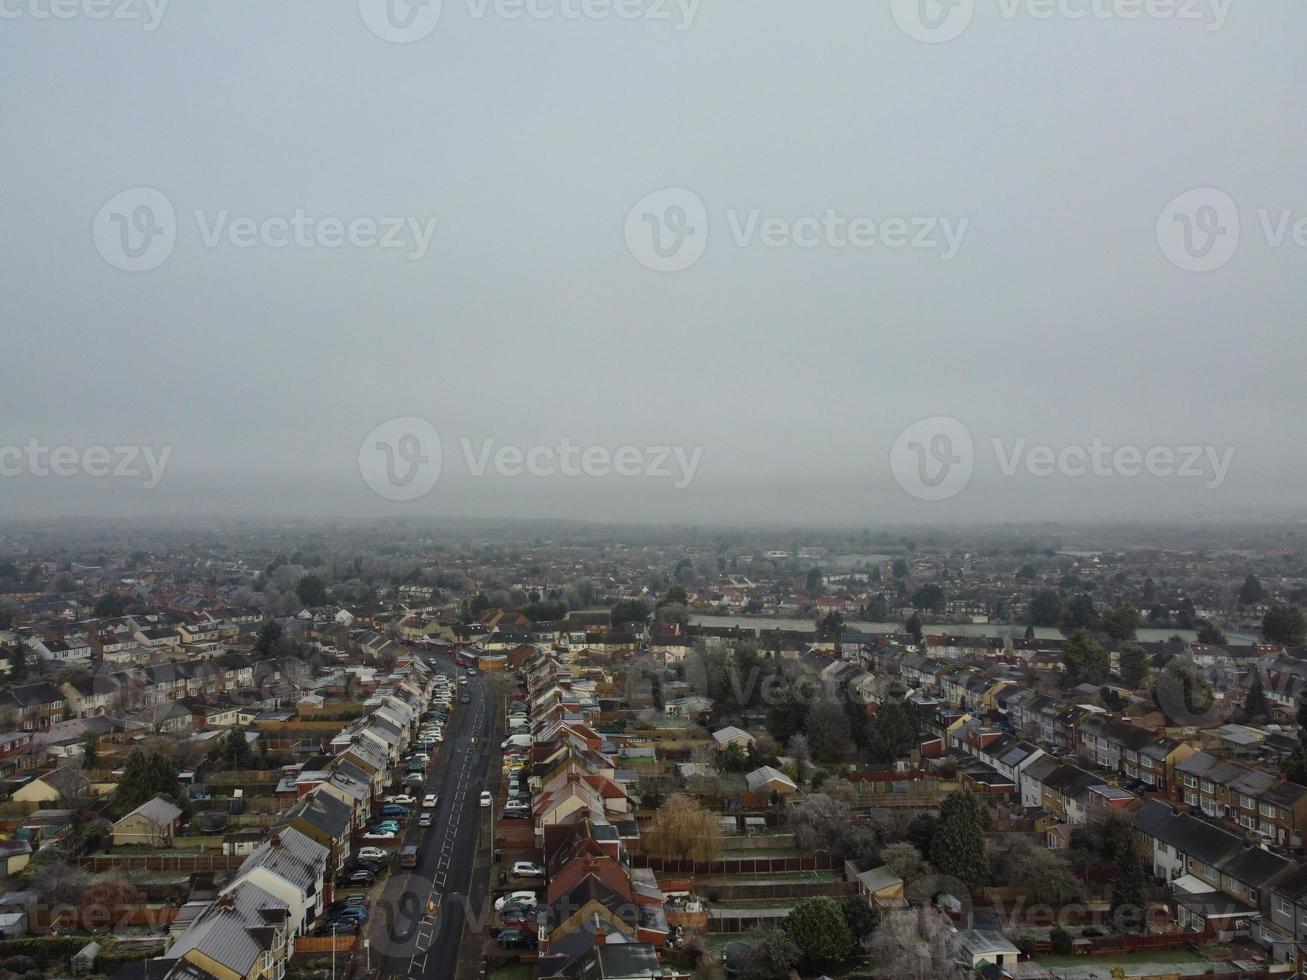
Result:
639,236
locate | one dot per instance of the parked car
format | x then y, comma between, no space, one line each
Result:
516,898
515,910
429,801
355,879
403,799
372,853
379,835
486,799
426,817
335,929
516,815
515,939
374,866
389,823
347,904
355,913
525,869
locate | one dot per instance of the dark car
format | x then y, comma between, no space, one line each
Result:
395,810
355,879
515,939
515,815
515,910
356,914
336,929
348,902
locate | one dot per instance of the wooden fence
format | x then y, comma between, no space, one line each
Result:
739,866
159,861
95,919
318,945
1123,945
238,777
762,890
729,921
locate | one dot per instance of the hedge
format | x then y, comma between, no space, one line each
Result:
44,948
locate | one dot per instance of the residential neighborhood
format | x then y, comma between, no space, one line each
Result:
559,766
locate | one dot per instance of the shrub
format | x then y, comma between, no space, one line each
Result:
1061,941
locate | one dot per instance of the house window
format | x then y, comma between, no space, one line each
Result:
1191,781
1208,786
1267,810
1284,906
1191,799
1247,802
1163,848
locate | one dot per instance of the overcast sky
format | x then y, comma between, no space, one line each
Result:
1039,290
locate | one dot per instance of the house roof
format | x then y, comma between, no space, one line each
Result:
878,879
291,856
724,735
234,929
158,811
767,774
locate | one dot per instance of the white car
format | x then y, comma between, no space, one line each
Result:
372,854
523,898
429,801
403,799
380,835
486,798
425,818
525,869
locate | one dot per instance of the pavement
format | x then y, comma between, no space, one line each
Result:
418,919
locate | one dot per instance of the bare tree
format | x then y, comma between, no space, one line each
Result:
904,860
919,944
801,749
684,829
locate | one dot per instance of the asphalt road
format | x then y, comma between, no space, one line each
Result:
417,921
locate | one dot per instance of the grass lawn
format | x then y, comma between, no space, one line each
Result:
756,903
1177,955
514,971
764,878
